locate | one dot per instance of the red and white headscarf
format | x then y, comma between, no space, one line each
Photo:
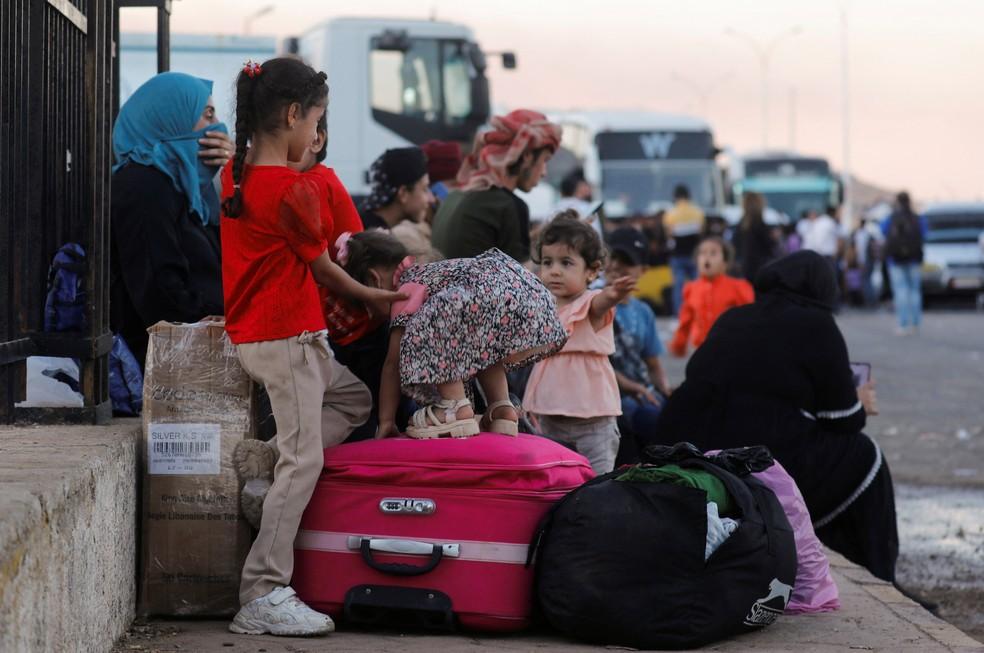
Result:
498,148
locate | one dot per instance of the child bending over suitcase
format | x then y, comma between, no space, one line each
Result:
466,318
574,394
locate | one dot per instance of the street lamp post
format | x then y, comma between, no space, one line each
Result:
248,21
847,213
764,54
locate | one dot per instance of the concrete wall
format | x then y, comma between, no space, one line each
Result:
68,509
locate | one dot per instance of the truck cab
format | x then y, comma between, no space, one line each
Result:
395,83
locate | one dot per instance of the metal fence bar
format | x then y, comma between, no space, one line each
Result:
55,114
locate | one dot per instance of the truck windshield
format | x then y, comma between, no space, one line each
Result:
431,80
954,227
644,188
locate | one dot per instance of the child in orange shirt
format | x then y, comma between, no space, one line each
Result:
709,296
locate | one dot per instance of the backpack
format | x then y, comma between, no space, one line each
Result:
125,379
64,305
64,310
904,240
623,562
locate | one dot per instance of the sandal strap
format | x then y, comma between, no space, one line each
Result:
427,417
491,408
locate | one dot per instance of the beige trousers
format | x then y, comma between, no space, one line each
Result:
316,402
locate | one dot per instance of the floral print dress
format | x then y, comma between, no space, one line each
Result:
477,312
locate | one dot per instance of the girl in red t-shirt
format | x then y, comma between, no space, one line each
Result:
274,254
358,339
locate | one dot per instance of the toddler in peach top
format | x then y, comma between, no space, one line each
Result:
574,394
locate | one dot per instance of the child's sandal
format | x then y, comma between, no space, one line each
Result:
503,426
425,424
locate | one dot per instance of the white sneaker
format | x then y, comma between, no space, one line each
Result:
280,613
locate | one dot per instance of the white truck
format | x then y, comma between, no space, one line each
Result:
396,82
634,159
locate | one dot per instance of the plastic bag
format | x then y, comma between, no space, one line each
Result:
815,589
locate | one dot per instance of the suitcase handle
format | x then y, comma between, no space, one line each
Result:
436,552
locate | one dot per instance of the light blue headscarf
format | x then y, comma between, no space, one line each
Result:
154,128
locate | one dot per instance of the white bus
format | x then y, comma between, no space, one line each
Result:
634,159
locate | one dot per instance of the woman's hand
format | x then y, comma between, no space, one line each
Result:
868,397
387,430
215,149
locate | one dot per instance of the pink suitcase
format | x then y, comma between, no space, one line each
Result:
404,532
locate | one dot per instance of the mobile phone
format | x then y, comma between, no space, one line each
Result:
861,373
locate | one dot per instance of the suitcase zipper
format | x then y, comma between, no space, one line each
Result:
454,491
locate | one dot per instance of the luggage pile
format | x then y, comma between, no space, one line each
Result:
681,551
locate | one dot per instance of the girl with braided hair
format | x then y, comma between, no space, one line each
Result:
274,253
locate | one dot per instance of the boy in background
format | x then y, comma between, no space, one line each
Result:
642,381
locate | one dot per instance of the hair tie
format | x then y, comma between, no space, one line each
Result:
341,248
252,69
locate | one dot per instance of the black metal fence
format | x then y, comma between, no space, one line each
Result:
56,102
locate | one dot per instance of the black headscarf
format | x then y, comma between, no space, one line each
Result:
395,168
803,277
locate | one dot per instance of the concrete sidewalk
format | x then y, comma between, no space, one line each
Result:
68,505
874,616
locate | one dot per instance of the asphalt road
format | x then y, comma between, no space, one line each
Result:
930,392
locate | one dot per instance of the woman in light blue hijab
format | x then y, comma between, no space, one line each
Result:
164,124
165,262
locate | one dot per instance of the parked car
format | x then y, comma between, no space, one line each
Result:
953,259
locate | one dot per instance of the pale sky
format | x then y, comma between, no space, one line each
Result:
916,68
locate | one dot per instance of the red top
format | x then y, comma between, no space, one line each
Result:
703,302
338,212
270,292
347,321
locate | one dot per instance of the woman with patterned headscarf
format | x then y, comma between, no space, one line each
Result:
484,212
400,189
165,262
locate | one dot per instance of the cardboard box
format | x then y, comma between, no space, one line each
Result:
197,406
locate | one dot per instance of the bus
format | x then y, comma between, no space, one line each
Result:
634,159
791,183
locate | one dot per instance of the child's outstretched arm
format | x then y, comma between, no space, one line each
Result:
389,387
331,275
608,298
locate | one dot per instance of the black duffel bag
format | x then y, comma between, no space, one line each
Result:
622,563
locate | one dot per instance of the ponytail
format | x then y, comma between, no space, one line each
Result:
233,205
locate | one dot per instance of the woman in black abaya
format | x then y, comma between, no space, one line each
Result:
777,373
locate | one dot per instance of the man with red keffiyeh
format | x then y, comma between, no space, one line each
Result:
484,212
